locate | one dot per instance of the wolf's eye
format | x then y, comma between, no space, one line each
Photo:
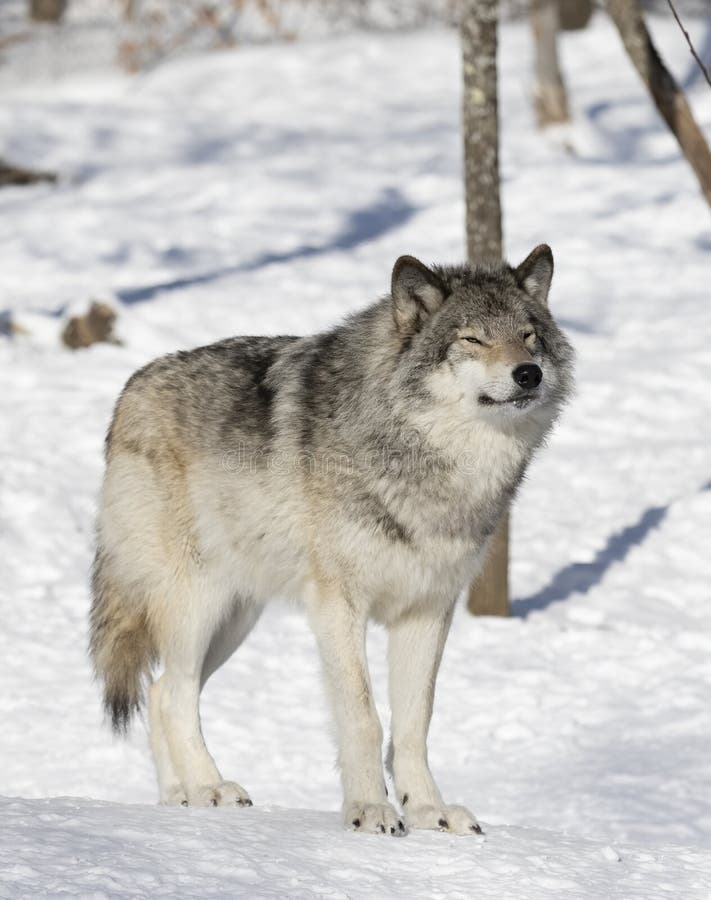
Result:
527,335
472,340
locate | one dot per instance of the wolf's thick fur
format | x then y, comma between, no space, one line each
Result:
360,471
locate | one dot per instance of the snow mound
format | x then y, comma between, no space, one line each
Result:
106,850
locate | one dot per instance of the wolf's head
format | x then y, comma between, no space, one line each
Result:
483,336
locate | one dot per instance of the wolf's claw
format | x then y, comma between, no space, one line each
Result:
452,819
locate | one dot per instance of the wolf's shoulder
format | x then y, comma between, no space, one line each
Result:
214,390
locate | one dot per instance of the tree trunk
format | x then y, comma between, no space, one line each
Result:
574,15
47,10
550,100
489,594
667,95
481,129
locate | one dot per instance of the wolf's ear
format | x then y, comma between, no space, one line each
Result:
416,292
535,273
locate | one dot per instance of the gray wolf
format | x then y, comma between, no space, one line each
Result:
360,472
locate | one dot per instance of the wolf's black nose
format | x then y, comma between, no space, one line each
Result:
528,375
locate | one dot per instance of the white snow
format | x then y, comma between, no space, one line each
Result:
270,189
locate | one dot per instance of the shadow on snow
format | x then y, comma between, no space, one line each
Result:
389,211
581,577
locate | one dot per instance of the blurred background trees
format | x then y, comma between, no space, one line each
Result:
548,18
47,10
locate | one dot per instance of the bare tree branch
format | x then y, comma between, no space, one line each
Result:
666,93
688,41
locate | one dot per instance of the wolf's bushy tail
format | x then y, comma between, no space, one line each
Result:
121,645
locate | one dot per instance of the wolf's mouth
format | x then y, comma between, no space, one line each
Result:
521,401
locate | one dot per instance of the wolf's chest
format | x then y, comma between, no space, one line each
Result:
393,573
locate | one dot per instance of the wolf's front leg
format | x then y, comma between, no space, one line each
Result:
340,632
415,651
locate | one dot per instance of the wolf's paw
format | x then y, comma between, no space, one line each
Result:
174,795
454,819
374,818
224,793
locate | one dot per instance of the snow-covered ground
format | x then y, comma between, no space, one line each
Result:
270,189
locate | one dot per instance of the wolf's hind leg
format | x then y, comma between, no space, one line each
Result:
190,657
340,633
415,650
